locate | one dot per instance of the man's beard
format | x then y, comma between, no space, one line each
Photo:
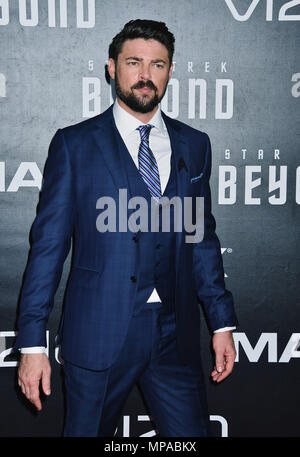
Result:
142,104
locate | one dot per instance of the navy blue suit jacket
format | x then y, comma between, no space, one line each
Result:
84,164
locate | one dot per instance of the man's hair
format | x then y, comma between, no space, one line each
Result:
146,29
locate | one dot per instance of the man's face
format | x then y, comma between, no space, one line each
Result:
141,74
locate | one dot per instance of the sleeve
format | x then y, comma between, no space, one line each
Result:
50,241
208,264
224,329
33,350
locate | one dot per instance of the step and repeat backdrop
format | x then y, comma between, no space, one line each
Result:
236,77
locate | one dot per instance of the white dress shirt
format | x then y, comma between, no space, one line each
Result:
160,145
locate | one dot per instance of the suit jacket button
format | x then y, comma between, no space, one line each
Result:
133,278
135,239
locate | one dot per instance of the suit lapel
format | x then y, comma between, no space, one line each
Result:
105,138
106,141
180,149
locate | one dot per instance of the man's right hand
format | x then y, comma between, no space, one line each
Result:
33,369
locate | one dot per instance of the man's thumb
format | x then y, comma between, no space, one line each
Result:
219,363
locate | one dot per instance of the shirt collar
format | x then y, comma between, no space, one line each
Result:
126,123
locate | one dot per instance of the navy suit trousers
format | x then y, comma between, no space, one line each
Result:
174,393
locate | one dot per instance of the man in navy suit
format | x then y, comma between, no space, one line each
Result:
131,311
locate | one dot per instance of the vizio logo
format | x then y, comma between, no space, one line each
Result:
125,426
282,14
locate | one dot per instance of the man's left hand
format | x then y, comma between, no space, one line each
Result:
225,355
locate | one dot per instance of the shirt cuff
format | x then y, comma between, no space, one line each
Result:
224,329
33,350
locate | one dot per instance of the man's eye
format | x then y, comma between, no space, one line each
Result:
132,63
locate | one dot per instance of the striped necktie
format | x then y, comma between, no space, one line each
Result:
147,163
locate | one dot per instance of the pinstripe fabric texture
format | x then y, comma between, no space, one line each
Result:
147,163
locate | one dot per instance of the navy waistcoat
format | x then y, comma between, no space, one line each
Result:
156,248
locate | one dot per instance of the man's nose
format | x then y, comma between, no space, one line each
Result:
145,72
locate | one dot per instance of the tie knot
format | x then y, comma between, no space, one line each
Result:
145,131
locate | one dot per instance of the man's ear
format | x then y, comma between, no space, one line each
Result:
111,68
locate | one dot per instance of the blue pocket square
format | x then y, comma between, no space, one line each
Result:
196,178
